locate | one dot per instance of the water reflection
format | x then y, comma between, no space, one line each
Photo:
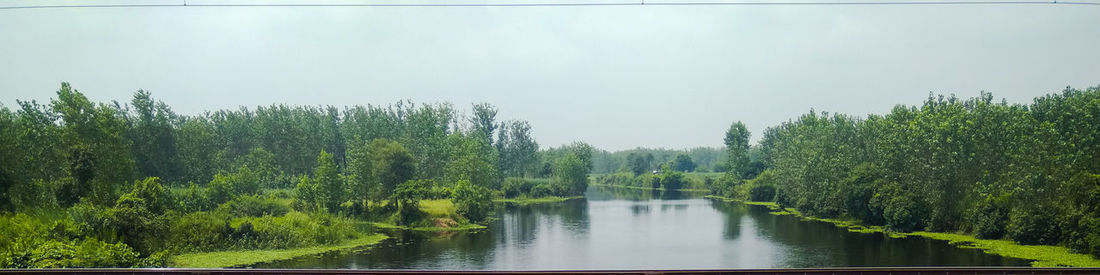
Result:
618,228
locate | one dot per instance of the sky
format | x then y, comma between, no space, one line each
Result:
617,77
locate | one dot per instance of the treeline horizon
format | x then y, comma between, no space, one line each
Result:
1025,172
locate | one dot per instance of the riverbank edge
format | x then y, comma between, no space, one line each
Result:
541,200
649,188
1039,255
239,258
463,227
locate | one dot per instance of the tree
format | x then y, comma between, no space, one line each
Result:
153,136
392,164
484,122
639,164
683,163
471,159
737,148
571,173
329,182
99,155
518,151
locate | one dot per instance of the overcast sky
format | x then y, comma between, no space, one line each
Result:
617,77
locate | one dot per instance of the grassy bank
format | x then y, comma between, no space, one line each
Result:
528,201
442,214
461,227
649,188
250,257
1040,255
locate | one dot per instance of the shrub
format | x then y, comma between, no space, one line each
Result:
672,180
762,193
990,217
1033,225
473,202
514,187
254,206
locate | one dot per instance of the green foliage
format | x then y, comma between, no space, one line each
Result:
472,201
330,187
571,173
638,163
254,206
683,163
72,161
407,195
672,180
737,148
392,164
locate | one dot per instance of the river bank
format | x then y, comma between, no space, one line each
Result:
223,259
1040,255
648,188
541,200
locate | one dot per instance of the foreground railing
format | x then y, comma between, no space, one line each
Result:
788,271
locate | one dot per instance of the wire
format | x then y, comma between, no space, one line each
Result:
641,3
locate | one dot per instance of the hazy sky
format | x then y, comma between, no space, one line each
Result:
614,76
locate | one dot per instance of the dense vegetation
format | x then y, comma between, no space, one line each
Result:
117,185
699,159
1029,173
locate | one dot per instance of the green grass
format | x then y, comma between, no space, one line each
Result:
250,257
1040,255
528,201
1043,255
438,208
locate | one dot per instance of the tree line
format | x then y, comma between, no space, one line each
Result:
80,176
1025,172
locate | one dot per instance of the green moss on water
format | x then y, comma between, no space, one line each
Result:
251,257
1043,255
542,200
1040,255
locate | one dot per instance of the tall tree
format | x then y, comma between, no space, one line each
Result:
737,148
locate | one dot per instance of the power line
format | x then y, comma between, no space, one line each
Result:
640,3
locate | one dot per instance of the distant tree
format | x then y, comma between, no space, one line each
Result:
638,163
683,163
737,148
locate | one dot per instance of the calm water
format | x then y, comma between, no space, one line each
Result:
617,228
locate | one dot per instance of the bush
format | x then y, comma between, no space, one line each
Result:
1033,225
254,206
672,180
990,218
514,187
473,202
407,195
762,193
191,199
901,210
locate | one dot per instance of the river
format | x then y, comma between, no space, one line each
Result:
617,228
